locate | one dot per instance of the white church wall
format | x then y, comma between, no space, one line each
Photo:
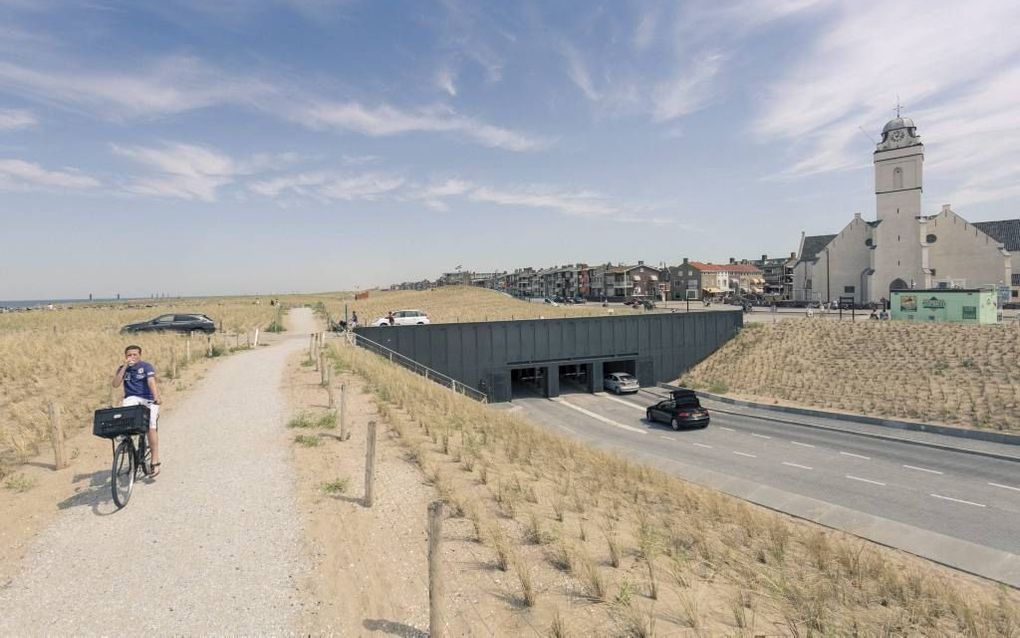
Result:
844,261
961,251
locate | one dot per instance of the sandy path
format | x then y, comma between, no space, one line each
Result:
212,546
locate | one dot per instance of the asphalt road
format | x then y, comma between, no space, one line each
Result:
953,494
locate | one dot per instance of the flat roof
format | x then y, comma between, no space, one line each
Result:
943,290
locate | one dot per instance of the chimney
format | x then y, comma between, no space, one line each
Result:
764,257
685,261
732,260
640,263
946,209
857,216
793,255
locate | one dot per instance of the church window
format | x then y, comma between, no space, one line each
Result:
849,290
931,238
897,178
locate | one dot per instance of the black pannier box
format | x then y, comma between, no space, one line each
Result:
111,422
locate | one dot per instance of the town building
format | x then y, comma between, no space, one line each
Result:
902,248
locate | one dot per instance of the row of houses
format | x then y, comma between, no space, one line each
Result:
694,280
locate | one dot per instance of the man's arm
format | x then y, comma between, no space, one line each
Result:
118,376
155,390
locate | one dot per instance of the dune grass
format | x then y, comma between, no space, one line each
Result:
943,373
689,559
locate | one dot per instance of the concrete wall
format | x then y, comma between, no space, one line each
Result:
481,355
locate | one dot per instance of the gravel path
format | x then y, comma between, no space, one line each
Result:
211,546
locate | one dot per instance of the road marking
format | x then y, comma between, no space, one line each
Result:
1005,487
760,436
599,417
703,445
856,456
864,480
663,436
957,500
803,467
625,402
722,427
745,454
801,444
921,469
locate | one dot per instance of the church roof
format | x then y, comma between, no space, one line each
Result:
898,122
813,244
1007,231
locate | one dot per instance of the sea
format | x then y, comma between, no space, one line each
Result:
21,304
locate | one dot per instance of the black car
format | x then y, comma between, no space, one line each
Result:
177,323
682,409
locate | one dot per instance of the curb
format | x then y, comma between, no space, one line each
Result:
977,435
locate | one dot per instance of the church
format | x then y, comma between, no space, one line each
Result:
903,248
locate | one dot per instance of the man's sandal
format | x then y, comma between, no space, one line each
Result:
155,470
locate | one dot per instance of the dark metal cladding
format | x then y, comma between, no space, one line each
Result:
655,347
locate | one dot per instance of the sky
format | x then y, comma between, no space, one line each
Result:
189,147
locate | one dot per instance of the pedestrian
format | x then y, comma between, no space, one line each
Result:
390,318
139,380
874,315
354,319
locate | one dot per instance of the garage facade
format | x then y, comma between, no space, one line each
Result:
494,356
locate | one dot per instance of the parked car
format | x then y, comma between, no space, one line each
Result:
631,301
681,409
620,382
558,299
578,299
176,323
648,304
403,318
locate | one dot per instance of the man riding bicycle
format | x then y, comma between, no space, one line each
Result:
139,379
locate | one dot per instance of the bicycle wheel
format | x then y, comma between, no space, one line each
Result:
122,477
143,464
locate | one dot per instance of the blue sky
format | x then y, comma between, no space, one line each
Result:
304,145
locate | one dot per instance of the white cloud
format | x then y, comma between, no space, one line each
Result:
386,120
445,81
21,175
172,85
959,78
323,186
577,71
690,89
184,171
580,203
14,119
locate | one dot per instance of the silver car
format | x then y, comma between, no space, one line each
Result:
620,382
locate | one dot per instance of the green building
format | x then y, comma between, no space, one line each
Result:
944,304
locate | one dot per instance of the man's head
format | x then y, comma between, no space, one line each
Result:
133,354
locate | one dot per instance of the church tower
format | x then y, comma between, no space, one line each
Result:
896,243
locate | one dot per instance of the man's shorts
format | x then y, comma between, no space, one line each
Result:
153,408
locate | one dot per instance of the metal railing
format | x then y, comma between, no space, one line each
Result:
432,375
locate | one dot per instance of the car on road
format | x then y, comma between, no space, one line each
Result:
682,409
175,323
578,299
403,318
620,382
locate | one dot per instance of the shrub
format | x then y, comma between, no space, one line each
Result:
336,486
307,440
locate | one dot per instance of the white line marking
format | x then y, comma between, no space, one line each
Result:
760,436
803,467
703,445
599,417
857,478
921,469
663,436
856,456
1005,487
957,500
745,454
625,402
801,444
723,427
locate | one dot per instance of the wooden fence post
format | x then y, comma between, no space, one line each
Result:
173,364
329,386
370,464
435,573
57,434
209,343
344,432
322,368
187,356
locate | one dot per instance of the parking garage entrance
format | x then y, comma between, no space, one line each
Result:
507,359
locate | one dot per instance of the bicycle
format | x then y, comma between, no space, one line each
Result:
130,460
